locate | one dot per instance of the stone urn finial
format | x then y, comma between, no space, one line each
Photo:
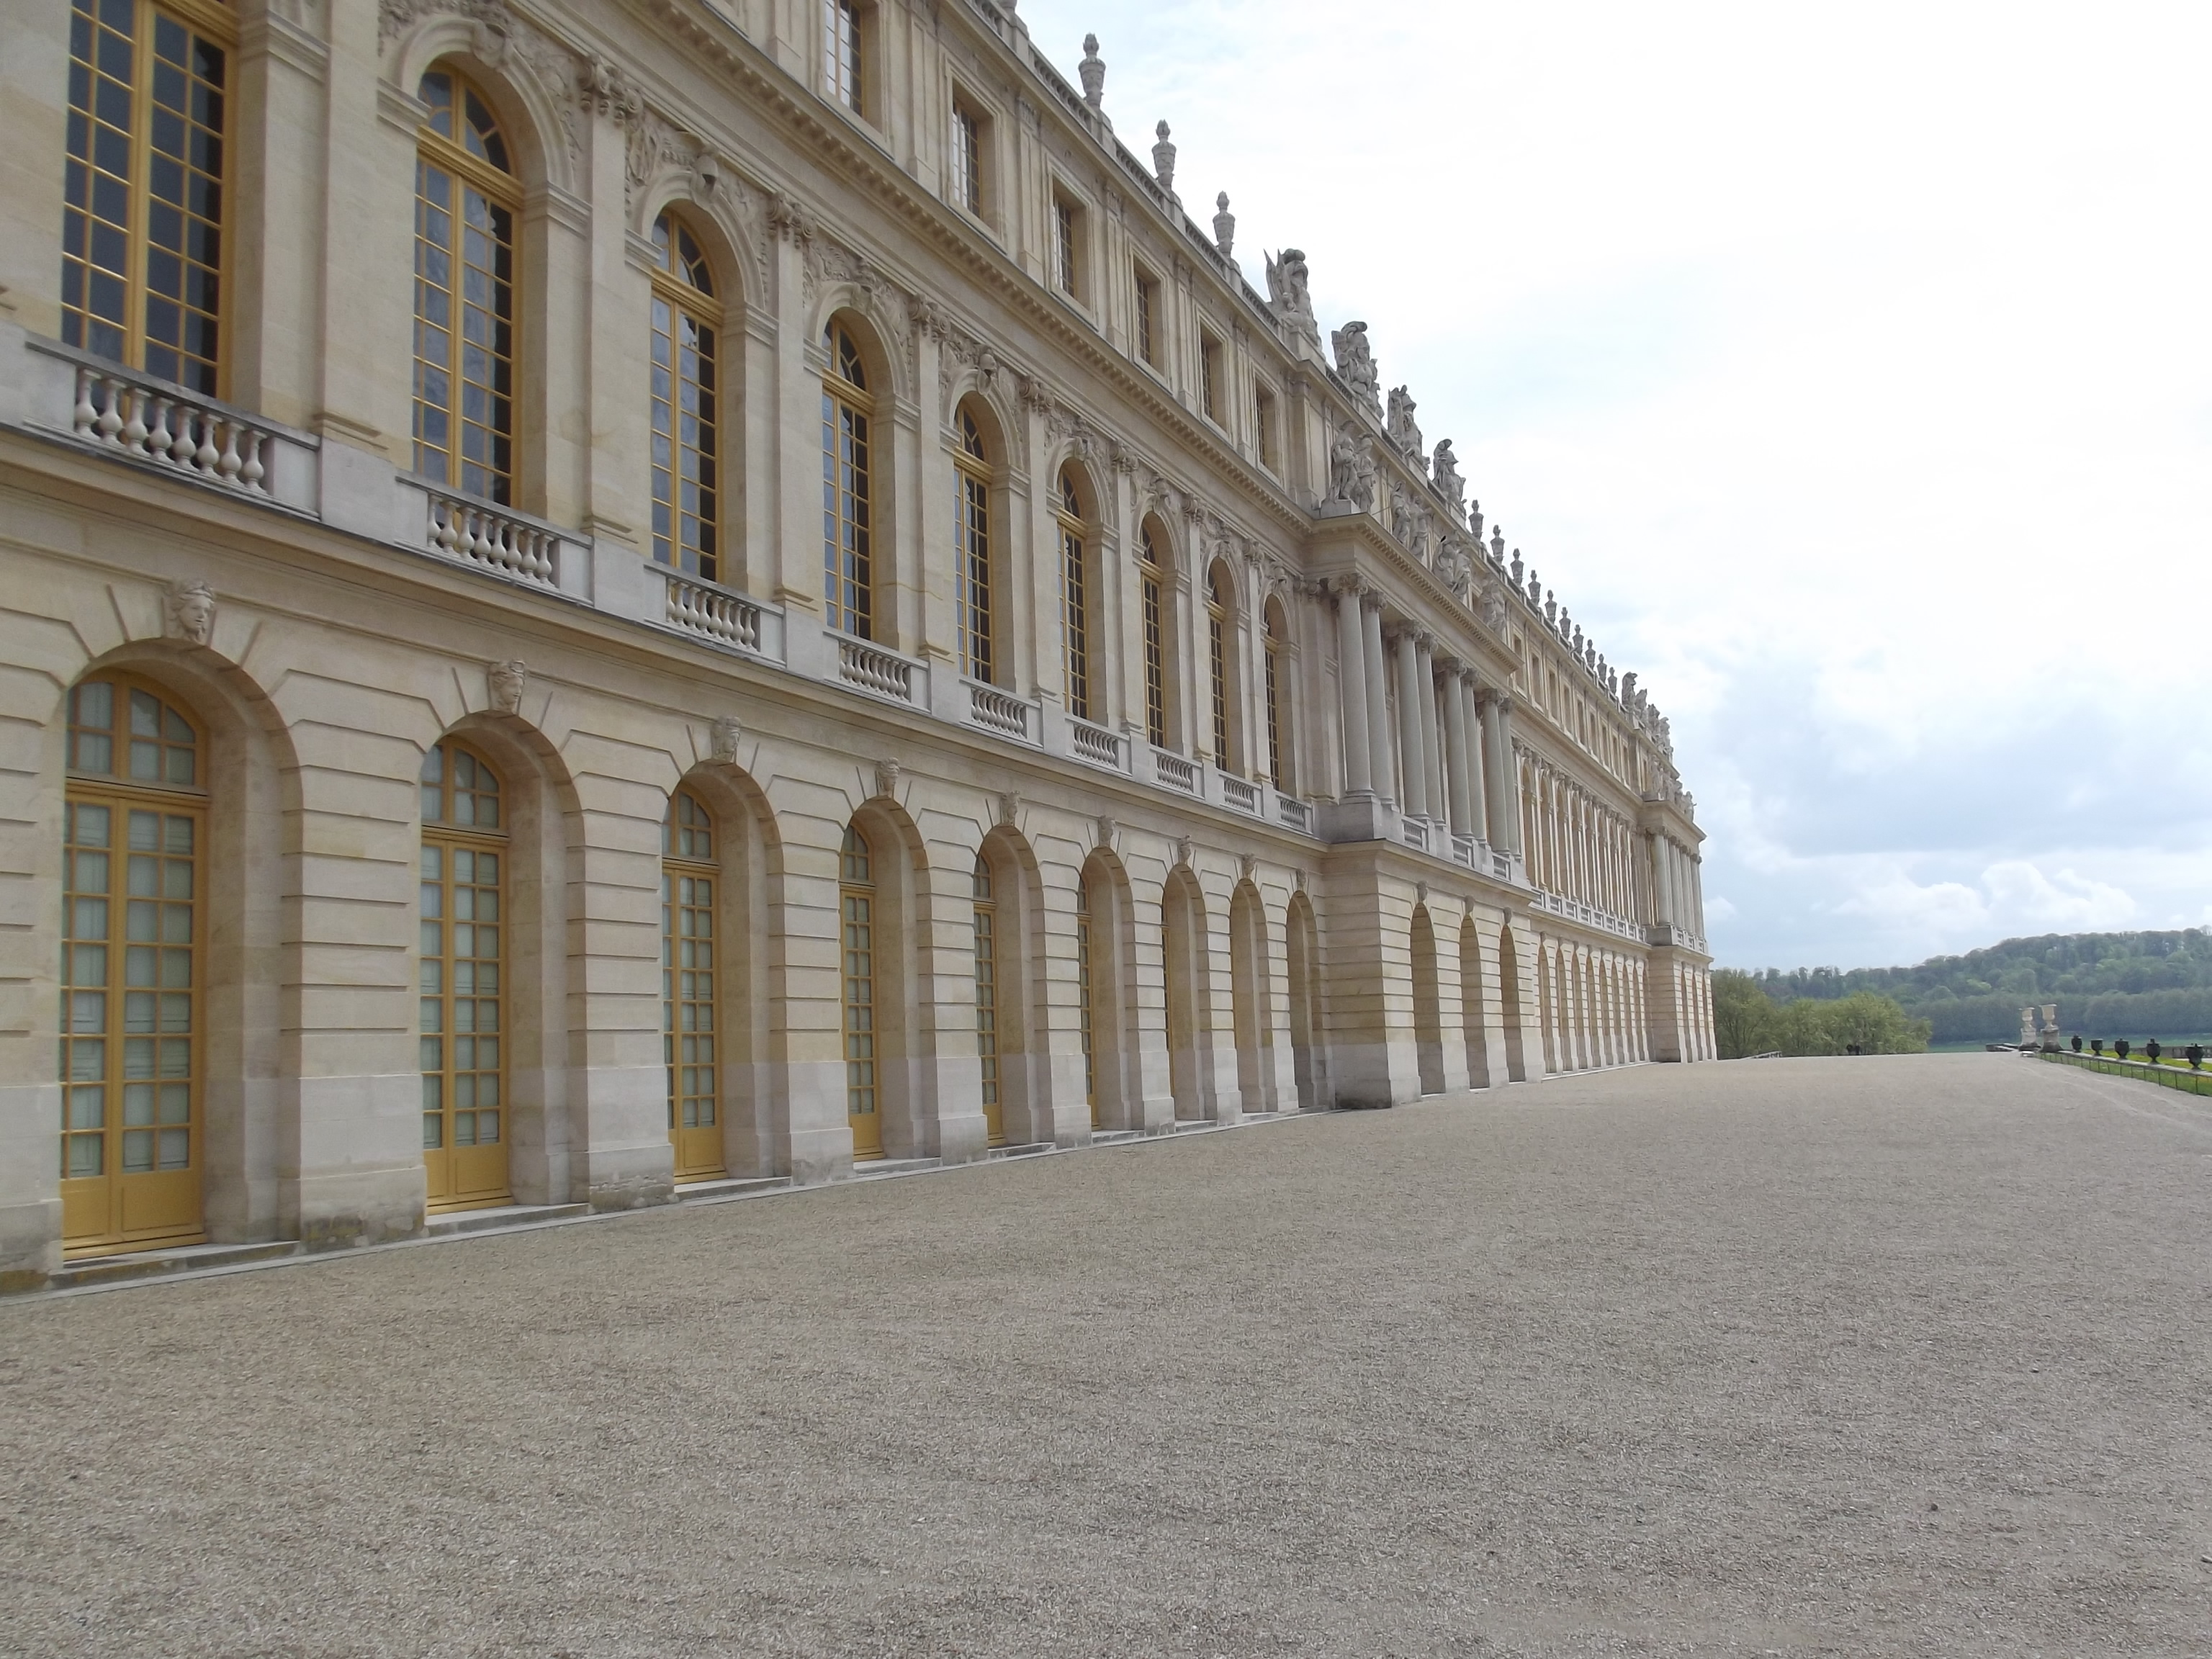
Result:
1225,226
1163,154
1093,69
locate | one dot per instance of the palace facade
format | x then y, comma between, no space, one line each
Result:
601,598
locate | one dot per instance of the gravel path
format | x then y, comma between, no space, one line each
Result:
1839,1357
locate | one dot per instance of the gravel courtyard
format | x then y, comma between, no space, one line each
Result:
1872,1357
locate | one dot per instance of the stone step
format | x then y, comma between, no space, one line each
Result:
504,1215
1031,1149
1115,1137
876,1169
692,1192
182,1258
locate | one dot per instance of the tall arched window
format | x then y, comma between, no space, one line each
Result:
971,549
1075,593
466,201
686,458
1220,618
1278,713
134,825
856,895
463,953
847,566
142,219
688,874
1153,579
986,1002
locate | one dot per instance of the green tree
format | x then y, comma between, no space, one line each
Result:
1743,1015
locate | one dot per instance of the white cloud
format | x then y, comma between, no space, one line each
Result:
1835,385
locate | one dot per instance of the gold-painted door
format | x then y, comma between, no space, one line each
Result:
462,1008
688,989
987,1006
130,1144
857,916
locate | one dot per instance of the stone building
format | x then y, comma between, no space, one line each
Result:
601,597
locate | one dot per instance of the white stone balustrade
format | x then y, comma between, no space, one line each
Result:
1094,743
872,669
729,618
1239,793
474,533
1173,771
1002,712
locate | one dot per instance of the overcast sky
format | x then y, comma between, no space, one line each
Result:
1847,370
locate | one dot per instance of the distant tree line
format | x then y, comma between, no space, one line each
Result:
2136,984
1747,1021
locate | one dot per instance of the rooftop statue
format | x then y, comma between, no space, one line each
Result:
1356,362
1352,471
1405,435
1286,290
1163,154
1449,484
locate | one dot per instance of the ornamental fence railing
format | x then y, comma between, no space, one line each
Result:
2188,1081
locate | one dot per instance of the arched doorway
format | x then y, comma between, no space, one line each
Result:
1183,943
1509,999
856,905
1428,1010
1247,994
134,972
1474,1013
463,1032
1302,956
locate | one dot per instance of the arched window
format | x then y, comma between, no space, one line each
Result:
1220,619
686,457
142,219
987,1001
1157,638
134,825
856,894
689,872
971,549
847,567
1075,593
1278,713
466,198
463,955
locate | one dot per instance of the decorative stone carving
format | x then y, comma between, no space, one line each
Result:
1405,433
1010,808
1247,866
1108,836
191,607
1163,158
1474,523
1355,362
887,779
788,217
604,88
1093,69
1628,688
1493,609
505,683
1449,484
1455,568
722,740
1287,290
1186,854
1420,892
1299,879
1225,224
1498,547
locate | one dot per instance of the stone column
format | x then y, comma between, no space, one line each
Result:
1510,778
1662,886
1455,748
1378,711
1431,737
1352,688
1413,753
1478,787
